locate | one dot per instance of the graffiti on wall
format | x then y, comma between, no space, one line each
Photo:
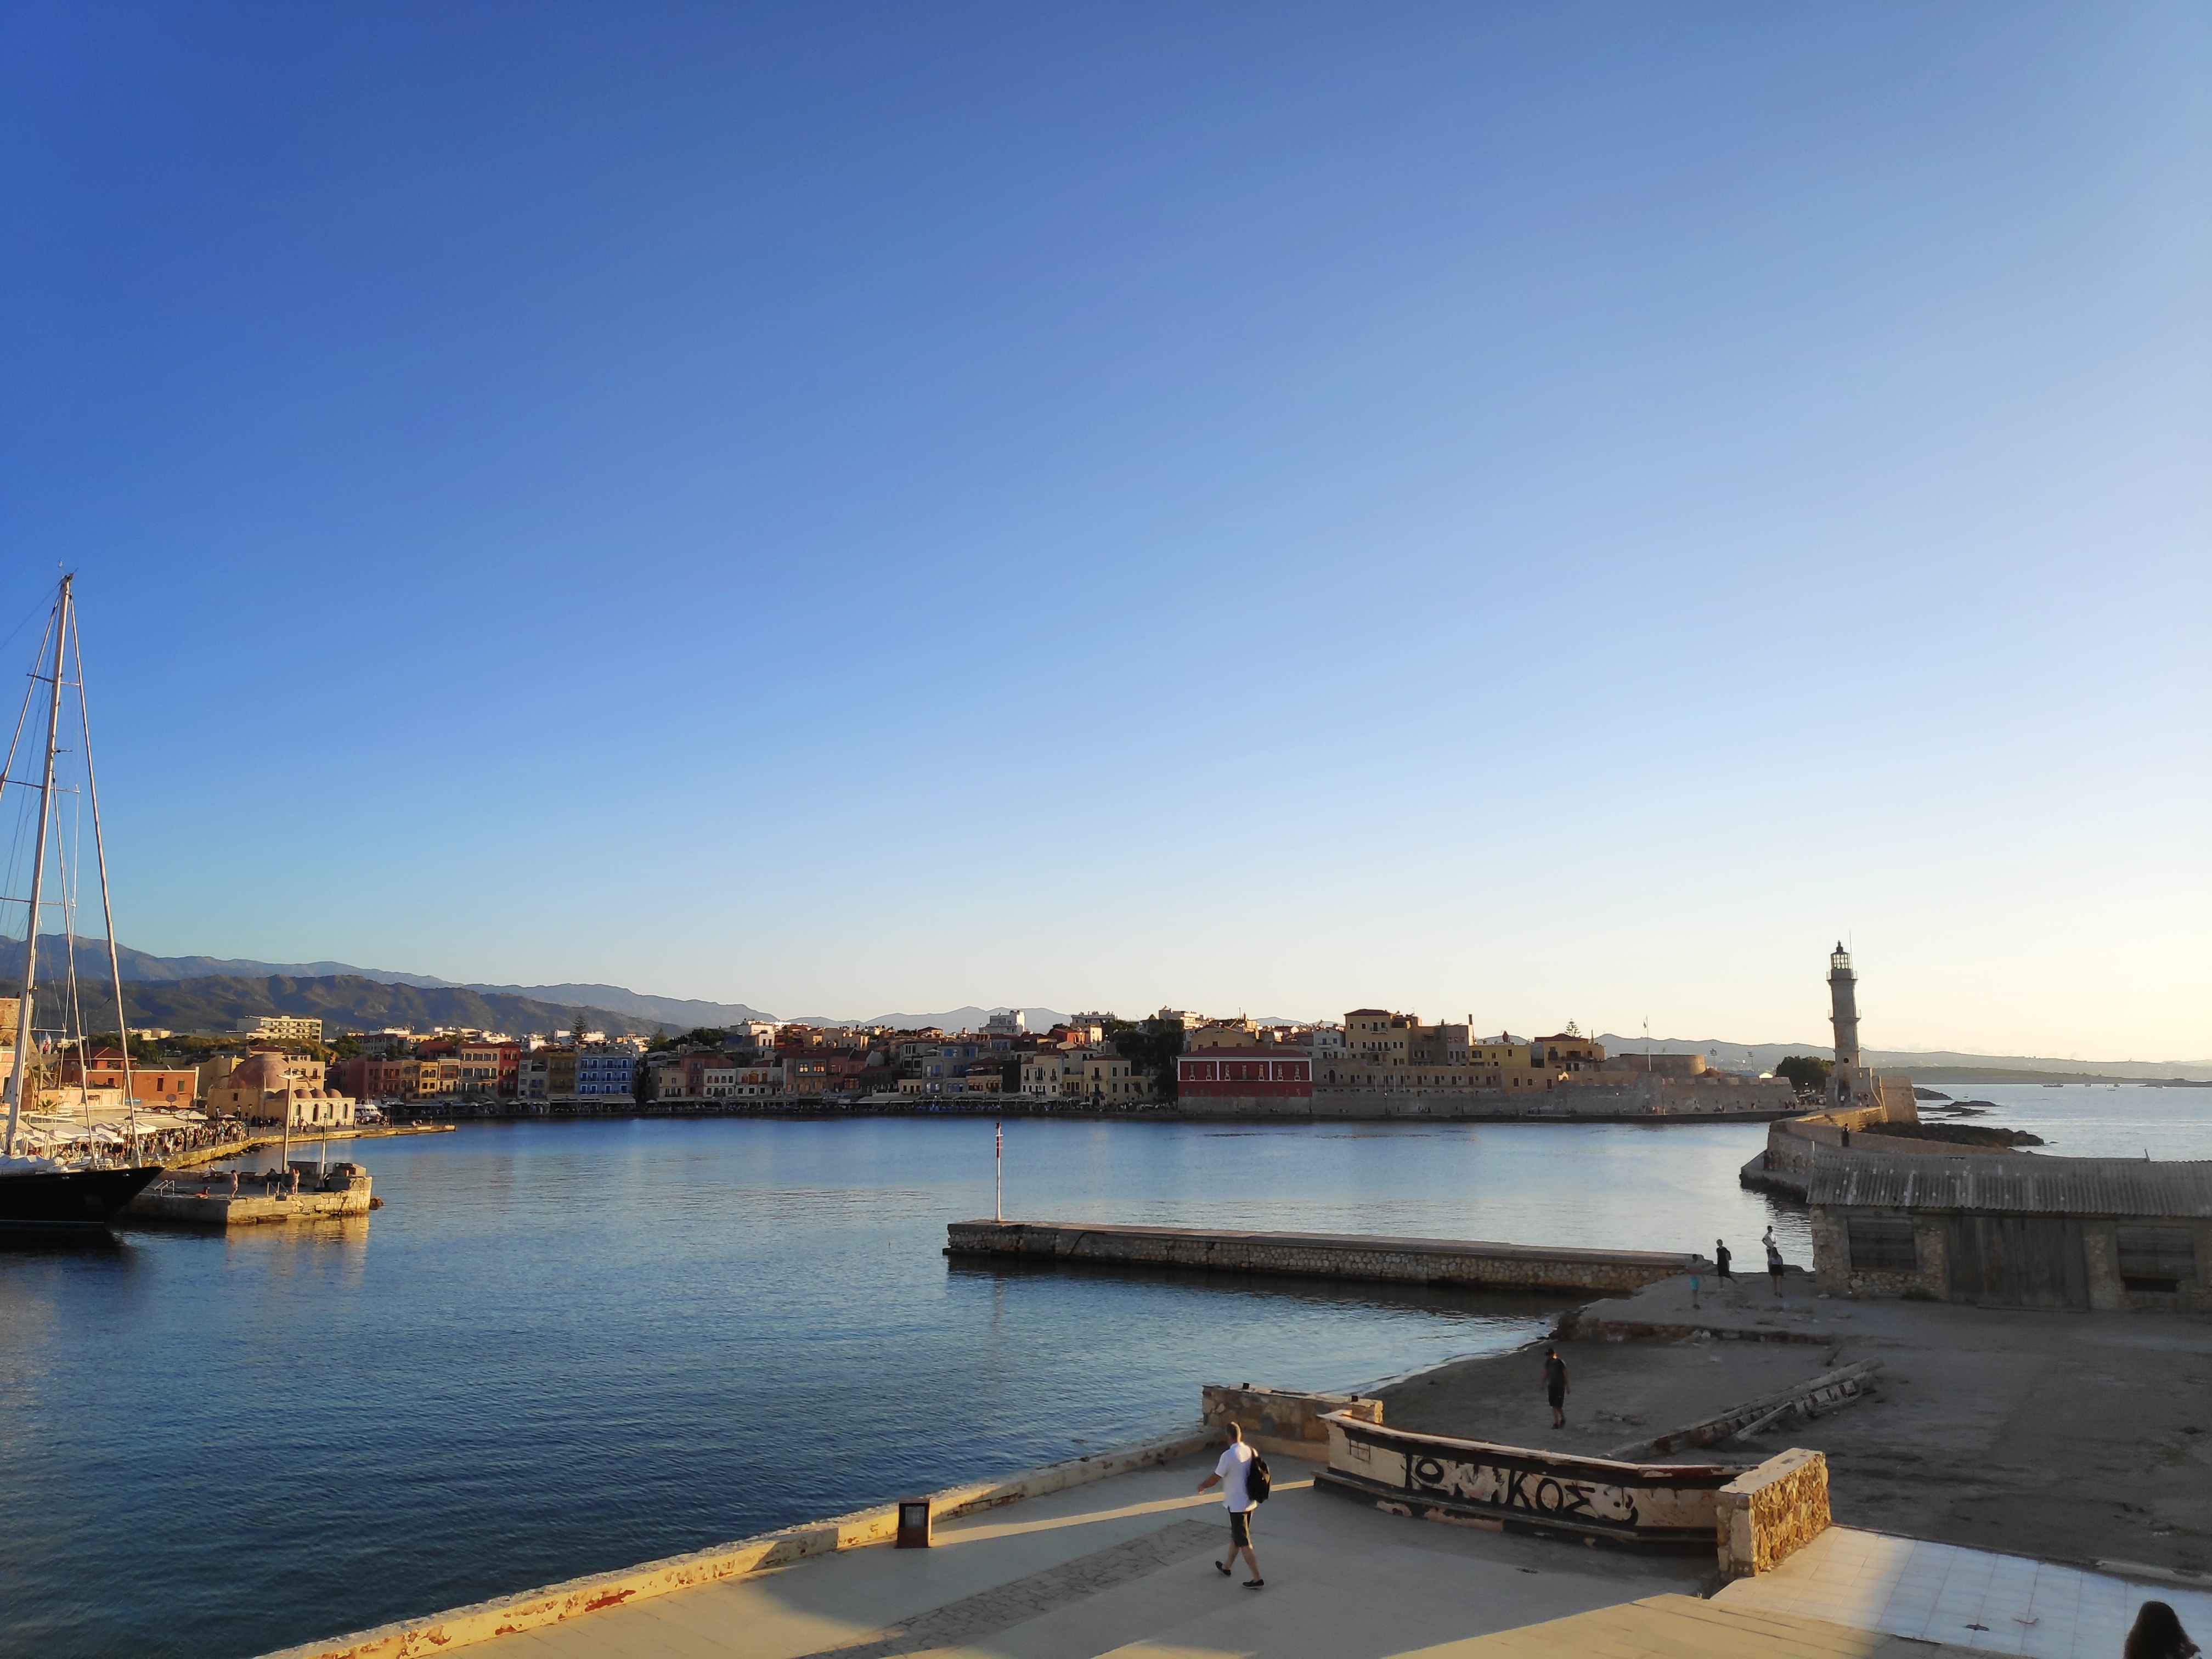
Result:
1669,1503
1532,1492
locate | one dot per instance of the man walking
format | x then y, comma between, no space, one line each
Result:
1774,1262
1721,1258
1555,1386
1229,1474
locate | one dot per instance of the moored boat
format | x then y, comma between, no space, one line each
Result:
45,1194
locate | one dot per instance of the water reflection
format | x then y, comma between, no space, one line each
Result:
563,1348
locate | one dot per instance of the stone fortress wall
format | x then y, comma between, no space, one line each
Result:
1598,1097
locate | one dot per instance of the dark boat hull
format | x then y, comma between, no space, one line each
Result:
69,1200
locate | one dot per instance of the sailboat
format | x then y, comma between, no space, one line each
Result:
40,1193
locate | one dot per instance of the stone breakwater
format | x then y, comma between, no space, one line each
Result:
1323,1255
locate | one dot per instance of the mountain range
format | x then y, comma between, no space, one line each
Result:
217,1002
212,993
140,968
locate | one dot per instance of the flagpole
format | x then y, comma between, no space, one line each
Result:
999,1171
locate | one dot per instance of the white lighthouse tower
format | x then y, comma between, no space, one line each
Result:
1848,1080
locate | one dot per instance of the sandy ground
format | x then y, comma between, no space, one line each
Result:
2072,1437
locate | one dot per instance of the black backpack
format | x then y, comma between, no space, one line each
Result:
1257,1480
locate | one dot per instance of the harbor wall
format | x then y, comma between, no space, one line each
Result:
1617,1096
1791,1142
207,1201
1279,1421
1324,1255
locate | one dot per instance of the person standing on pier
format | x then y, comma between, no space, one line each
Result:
1228,1474
1555,1386
1721,1258
1774,1263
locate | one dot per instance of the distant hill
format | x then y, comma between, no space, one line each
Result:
969,1018
216,1002
682,1013
91,956
1937,1065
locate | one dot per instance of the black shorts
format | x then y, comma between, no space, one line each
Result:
1558,1398
1240,1529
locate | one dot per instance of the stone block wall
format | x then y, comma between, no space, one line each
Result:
1279,1421
2107,1292
1831,1257
1768,1514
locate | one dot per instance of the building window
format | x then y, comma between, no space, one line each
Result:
2154,1258
1882,1244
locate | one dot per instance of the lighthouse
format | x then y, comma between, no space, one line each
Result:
1848,1081
1844,1006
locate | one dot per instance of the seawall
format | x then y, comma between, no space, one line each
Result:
223,1150
1323,1255
342,1190
1787,1163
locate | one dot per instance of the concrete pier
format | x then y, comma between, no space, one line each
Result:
1324,1255
207,1201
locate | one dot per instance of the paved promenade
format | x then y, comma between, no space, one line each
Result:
1967,1598
1124,1566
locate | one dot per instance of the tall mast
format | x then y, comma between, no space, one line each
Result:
106,905
37,872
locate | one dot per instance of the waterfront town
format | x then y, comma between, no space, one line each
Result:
280,1068
1075,779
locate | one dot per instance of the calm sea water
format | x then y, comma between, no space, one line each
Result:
566,1347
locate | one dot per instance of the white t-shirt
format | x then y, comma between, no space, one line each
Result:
1232,1467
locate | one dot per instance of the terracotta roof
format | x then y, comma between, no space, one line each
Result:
263,1072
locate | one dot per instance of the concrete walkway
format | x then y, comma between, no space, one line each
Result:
1968,1598
1124,1566
1680,1627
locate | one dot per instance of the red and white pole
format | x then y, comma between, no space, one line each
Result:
999,1171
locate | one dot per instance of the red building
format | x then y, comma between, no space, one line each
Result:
363,1078
1271,1072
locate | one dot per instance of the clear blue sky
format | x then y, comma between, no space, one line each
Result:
1541,512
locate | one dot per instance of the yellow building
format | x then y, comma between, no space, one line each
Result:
1223,1033
1110,1077
273,1088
